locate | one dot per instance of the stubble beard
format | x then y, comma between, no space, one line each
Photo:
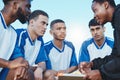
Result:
21,17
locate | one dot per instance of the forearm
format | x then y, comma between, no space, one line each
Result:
42,65
111,69
4,63
71,69
98,62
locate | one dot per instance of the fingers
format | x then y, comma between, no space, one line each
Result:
82,66
20,73
22,60
23,72
25,63
15,78
19,62
17,74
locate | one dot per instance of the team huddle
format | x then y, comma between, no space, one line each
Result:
25,56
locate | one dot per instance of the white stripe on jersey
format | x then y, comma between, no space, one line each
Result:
32,51
60,60
7,40
95,53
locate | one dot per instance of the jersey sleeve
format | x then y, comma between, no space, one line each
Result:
73,58
16,53
111,69
41,56
83,54
47,49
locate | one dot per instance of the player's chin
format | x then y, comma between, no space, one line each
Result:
40,34
62,39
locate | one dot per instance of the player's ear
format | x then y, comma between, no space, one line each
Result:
15,5
51,32
31,22
106,4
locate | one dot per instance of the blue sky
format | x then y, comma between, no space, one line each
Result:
76,14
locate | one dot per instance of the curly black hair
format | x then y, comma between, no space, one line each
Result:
111,2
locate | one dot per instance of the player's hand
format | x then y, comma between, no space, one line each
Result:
85,67
19,62
93,75
38,73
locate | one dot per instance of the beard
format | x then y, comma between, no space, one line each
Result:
21,17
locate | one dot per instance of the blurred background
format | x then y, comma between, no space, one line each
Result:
75,13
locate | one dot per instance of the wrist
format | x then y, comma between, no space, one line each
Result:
8,64
66,71
91,64
38,67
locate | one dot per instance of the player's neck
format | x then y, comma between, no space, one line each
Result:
58,43
32,34
7,17
100,42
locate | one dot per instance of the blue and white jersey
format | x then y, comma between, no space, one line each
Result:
90,50
33,51
8,49
60,59
7,39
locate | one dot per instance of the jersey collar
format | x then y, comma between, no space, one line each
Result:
3,21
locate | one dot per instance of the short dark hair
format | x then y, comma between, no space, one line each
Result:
56,21
7,1
36,13
93,22
111,2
